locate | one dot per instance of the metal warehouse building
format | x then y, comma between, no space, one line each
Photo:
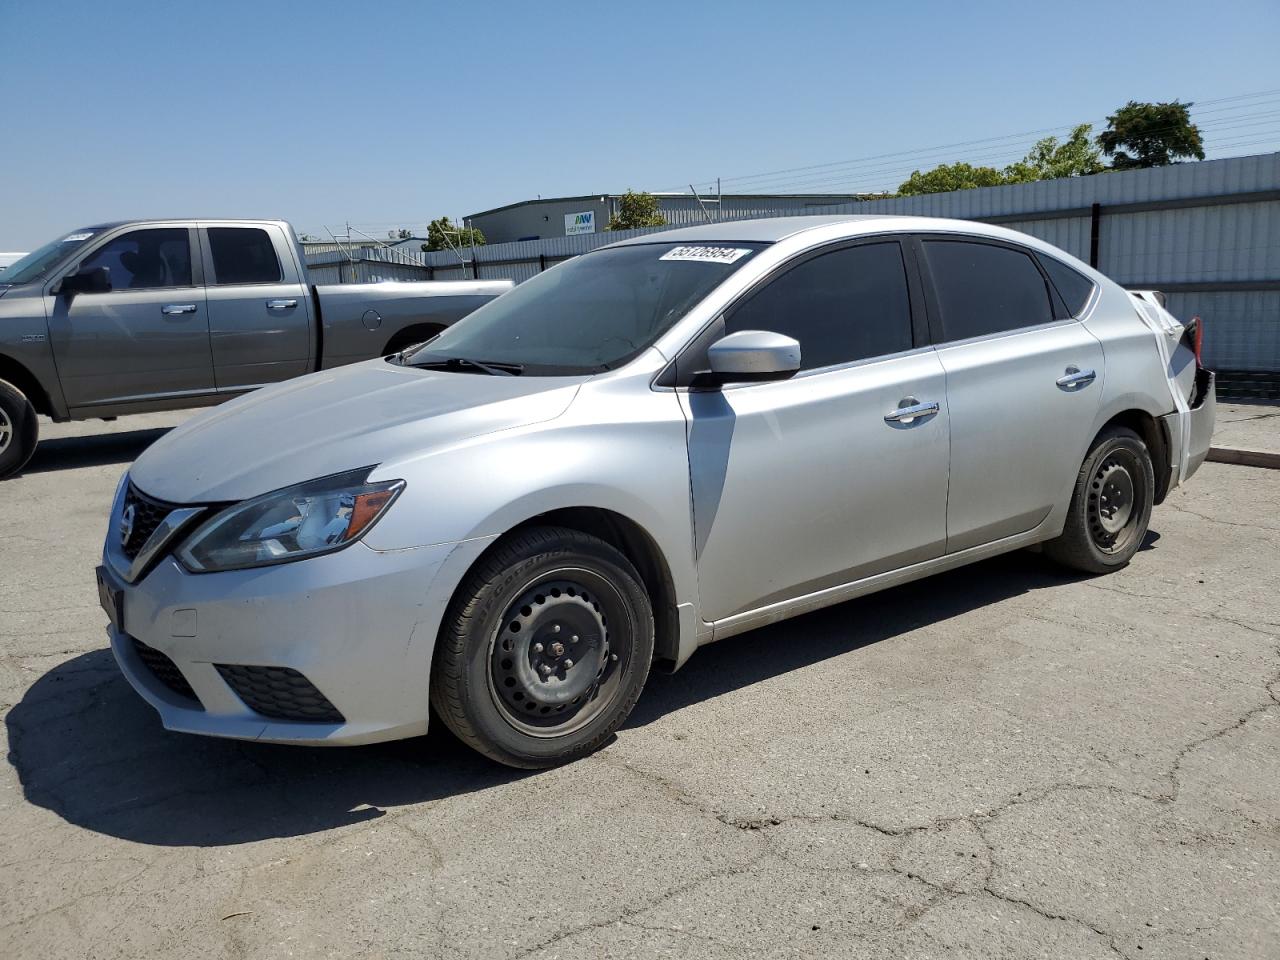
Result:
1207,233
575,216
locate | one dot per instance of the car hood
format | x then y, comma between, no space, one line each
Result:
337,420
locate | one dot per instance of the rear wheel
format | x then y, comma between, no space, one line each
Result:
545,650
18,429
1110,505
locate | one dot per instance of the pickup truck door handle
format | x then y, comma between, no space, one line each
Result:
1074,378
910,409
281,304
174,309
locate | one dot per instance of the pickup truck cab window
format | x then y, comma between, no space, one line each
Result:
845,305
243,255
983,289
39,262
145,259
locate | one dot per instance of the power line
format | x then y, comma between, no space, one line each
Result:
1013,151
1202,108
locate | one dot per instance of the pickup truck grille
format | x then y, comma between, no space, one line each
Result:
147,515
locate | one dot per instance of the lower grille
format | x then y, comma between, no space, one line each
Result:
280,693
164,670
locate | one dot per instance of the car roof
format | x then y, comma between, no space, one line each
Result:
767,230
773,229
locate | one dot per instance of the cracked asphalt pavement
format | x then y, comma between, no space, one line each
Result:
1003,761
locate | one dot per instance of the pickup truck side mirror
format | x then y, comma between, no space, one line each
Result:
93,280
752,355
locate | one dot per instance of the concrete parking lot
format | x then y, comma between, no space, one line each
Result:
1004,761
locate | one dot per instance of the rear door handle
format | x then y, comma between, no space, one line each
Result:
1073,378
174,309
910,409
281,304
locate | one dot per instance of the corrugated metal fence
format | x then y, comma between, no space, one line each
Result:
1208,234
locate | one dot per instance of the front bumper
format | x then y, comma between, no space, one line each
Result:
359,625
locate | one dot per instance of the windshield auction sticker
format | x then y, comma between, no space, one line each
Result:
72,238
706,254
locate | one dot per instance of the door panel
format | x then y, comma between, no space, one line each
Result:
146,339
802,484
1017,438
259,309
1017,434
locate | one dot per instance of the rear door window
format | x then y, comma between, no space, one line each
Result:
243,255
145,259
984,289
850,304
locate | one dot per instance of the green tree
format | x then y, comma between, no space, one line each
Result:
1142,135
443,234
1079,156
636,210
950,176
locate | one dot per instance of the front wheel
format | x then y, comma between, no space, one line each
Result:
1110,505
545,649
19,429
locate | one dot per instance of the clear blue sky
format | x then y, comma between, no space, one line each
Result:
386,113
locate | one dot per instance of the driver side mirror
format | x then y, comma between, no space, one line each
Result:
93,280
752,356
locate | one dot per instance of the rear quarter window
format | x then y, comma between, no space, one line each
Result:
1074,288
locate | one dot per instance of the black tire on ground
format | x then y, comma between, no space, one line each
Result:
544,650
1110,505
19,429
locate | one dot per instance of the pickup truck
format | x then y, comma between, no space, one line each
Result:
146,315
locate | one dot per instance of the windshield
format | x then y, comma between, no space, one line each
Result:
590,314
35,265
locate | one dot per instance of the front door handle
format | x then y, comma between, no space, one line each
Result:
281,304
1074,378
910,409
174,309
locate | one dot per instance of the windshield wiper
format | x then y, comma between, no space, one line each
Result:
459,364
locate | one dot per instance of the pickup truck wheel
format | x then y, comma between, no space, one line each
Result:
1110,505
545,649
18,430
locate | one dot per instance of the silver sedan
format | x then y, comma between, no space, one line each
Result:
651,447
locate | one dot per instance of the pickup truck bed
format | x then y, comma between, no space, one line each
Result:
147,315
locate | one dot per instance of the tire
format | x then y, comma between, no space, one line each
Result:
1110,505
504,678
19,429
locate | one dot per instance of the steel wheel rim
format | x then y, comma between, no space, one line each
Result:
1116,494
6,431
545,683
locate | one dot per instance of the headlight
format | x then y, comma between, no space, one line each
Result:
316,517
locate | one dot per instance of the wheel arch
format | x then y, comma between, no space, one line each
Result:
630,539
1154,433
21,377
408,336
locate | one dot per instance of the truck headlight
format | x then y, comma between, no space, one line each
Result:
312,518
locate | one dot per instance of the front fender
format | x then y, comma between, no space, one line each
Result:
635,465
